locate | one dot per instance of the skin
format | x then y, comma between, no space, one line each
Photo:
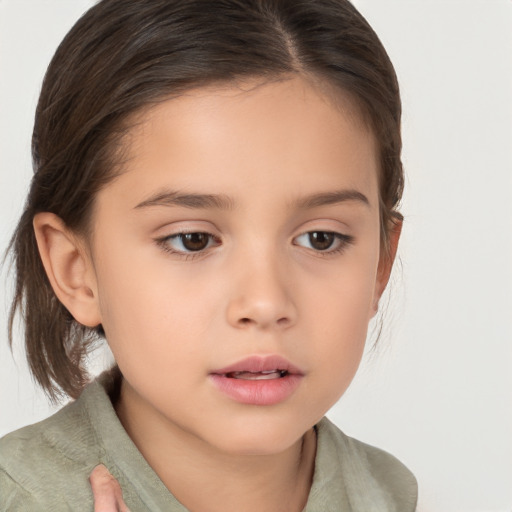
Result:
260,287
108,496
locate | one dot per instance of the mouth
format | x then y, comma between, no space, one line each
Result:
264,375
258,380
264,367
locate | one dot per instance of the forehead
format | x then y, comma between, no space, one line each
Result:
261,136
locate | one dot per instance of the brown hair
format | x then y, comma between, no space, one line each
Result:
123,56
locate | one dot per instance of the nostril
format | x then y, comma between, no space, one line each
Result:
245,321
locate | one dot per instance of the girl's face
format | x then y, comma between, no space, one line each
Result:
236,262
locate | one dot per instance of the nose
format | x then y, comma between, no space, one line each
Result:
262,295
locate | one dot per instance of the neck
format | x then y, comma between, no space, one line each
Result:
275,482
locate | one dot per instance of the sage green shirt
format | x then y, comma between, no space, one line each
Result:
45,467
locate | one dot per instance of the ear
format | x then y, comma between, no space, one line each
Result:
386,261
68,267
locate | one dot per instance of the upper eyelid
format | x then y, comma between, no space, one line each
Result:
204,225
163,243
321,230
344,237
326,224
188,232
337,233
166,231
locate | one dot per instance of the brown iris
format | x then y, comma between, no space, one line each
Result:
321,240
195,241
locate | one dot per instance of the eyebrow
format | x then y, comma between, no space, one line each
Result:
224,202
330,198
196,201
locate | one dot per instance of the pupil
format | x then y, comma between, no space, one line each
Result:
194,241
321,240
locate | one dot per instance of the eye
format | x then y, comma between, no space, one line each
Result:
324,241
186,243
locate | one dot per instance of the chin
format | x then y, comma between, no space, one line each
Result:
259,437
256,447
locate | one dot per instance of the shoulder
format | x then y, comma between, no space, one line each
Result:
45,466
369,474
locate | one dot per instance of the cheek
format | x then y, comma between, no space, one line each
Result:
148,305
340,311
343,296
343,326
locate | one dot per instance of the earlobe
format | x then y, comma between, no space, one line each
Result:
68,268
386,261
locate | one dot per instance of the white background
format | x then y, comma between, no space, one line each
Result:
438,391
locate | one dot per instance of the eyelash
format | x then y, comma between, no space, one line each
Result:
164,244
343,241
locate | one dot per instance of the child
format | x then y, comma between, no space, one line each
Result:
215,192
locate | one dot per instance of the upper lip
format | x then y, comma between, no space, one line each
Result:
263,363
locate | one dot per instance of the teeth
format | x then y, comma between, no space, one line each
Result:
264,375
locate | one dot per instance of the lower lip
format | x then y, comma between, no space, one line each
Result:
257,392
